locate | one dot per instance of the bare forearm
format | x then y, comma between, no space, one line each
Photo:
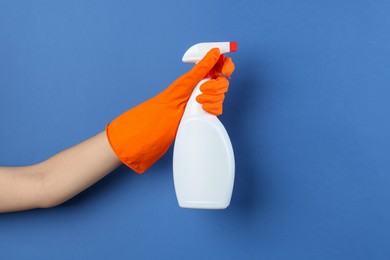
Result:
57,179
19,188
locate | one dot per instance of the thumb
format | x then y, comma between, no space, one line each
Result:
188,81
199,71
181,89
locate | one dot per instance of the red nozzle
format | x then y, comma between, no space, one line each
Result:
233,46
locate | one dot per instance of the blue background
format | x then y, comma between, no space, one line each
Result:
307,111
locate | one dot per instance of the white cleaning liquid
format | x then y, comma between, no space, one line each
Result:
203,158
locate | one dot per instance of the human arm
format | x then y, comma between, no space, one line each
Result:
58,178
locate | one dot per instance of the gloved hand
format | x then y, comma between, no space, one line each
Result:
141,135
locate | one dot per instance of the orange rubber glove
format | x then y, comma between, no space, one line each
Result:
140,136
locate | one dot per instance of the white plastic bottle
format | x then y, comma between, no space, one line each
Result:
203,159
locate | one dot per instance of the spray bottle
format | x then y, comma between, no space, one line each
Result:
203,158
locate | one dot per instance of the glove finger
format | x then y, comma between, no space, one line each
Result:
214,108
210,99
215,86
228,67
199,71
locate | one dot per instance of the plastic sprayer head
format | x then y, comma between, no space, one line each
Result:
198,51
